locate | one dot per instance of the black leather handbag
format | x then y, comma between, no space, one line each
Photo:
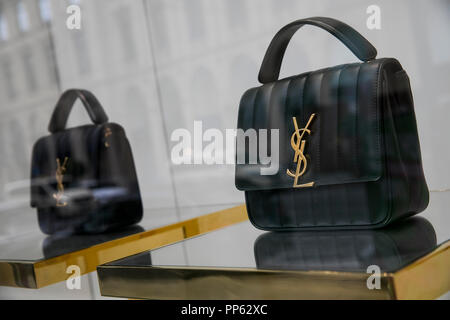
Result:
83,179
349,154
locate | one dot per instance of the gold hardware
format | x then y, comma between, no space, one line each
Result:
60,171
298,144
108,133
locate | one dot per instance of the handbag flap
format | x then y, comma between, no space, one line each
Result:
328,125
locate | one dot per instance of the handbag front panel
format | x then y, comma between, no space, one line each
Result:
64,164
352,205
328,122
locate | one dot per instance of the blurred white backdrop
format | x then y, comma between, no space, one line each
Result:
158,65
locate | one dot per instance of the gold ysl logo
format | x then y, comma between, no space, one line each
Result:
298,144
108,133
60,171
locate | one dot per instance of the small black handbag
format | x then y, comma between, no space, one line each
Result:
83,179
349,154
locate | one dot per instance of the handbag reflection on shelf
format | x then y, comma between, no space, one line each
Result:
83,179
349,154
390,248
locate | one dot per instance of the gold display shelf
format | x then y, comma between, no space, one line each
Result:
425,278
41,273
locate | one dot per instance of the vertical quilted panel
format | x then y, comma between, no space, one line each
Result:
329,115
346,205
344,144
347,118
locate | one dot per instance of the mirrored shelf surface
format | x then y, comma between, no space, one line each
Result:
242,262
31,259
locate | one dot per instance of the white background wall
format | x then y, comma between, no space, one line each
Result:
158,65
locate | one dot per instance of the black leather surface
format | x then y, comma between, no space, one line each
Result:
390,248
270,68
101,190
345,143
363,153
353,205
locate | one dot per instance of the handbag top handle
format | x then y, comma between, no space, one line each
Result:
270,69
64,106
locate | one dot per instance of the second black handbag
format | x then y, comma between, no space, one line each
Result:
349,154
83,179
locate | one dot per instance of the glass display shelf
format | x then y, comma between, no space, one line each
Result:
31,259
407,260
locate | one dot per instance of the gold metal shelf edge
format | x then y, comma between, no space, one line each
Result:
164,282
425,279
38,274
17,274
228,284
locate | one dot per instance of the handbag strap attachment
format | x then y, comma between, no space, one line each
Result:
64,106
270,69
